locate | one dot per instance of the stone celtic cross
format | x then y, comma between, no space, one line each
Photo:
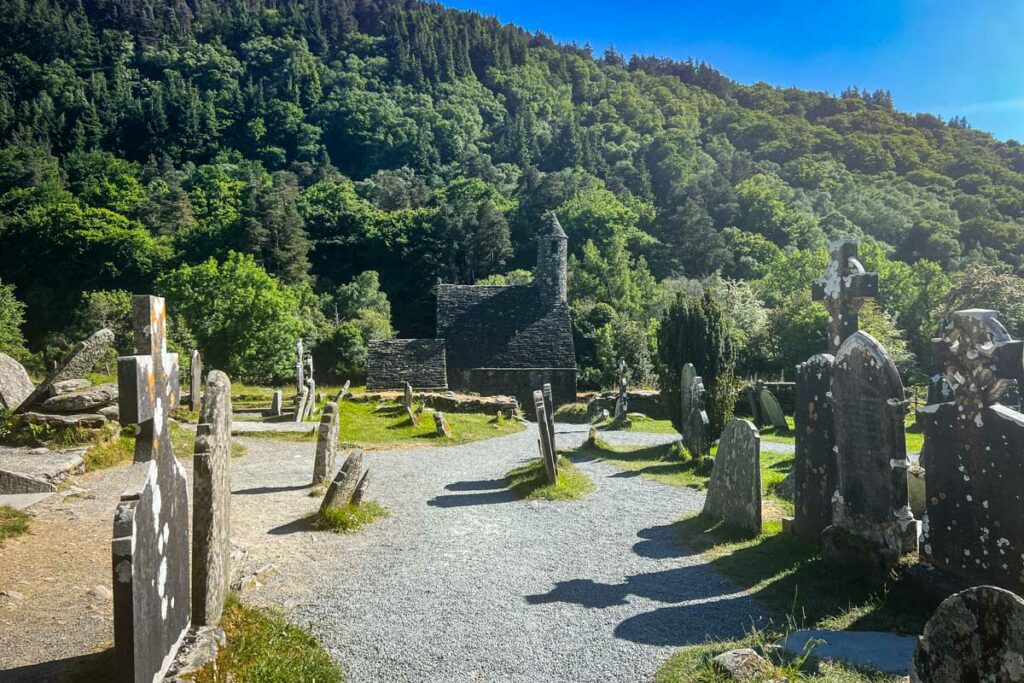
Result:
843,289
979,357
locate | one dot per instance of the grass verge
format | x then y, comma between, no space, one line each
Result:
13,523
263,646
531,482
348,519
118,447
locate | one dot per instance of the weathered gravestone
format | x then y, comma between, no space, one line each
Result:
549,413
311,397
150,548
346,483
15,384
300,377
326,444
693,400
844,288
211,503
734,492
871,519
814,465
275,403
621,401
974,636
414,417
772,410
343,392
357,495
974,457
441,426
76,363
753,397
547,449
939,390
196,385
300,404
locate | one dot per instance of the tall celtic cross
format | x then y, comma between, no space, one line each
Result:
979,357
843,289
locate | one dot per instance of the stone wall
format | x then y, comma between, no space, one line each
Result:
393,362
518,382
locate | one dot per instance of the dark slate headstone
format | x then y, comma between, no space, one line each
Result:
974,469
734,492
844,288
211,503
974,636
150,548
772,410
871,518
196,381
15,384
326,444
696,434
346,482
547,453
814,465
549,413
939,390
76,363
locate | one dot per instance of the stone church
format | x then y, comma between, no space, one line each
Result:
492,340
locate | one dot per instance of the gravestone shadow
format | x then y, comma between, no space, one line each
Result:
97,667
259,490
479,485
489,498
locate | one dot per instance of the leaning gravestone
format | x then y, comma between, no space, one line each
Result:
844,288
357,496
300,404
974,450
15,384
814,465
414,417
441,426
693,401
150,548
549,413
871,518
196,385
211,503
346,483
311,397
734,492
326,444
547,449
771,409
976,635
76,363
343,392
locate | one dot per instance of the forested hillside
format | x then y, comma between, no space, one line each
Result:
315,167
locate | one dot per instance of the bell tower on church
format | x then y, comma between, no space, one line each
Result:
552,278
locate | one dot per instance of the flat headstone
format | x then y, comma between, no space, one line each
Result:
814,463
80,420
26,471
75,363
150,547
871,519
83,400
884,652
976,635
68,386
15,384
211,503
196,383
734,492
345,484
773,410
326,444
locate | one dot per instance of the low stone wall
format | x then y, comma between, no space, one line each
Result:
646,401
448,402
517,382
393,362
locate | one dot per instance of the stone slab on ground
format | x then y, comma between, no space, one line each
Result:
22,466
885,652
23,501
244,427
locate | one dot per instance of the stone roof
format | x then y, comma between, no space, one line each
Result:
551,226
503,327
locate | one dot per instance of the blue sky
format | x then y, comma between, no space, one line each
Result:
936,56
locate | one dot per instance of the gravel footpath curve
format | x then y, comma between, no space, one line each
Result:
464,582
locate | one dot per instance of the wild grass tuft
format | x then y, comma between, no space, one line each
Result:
348,519
531,482
12,523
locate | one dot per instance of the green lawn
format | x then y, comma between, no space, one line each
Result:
386,425
348,519
12,523
531,482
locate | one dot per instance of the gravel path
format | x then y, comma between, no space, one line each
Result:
464,582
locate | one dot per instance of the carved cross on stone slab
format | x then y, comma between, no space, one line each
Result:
843,288
979,356
150,547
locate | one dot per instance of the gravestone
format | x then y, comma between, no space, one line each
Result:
15,384
343,392
693,399
211,503
976,635
300,404
772,411
939,390
734,492
310,399
441,425
844,288
75,363
196,387
346,482
814,464
275,403
754,398
357,496
150,547
300,377
414,417
974,457
547,453
621,402
549,413
326,444
871,519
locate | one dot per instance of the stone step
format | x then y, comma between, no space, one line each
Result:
26,470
